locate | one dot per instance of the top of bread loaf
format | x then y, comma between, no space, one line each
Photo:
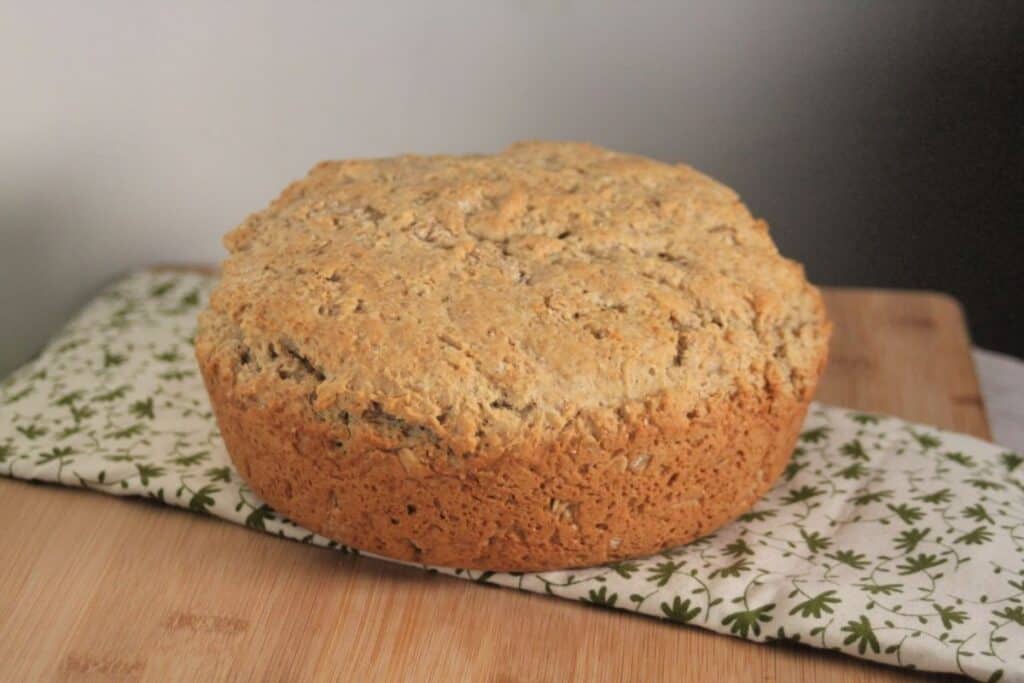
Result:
484,296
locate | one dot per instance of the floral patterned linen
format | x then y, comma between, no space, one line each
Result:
884,539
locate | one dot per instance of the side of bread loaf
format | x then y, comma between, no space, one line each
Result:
658,479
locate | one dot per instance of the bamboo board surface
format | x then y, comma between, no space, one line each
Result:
94,587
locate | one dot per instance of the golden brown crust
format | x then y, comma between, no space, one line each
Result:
551,357
658,481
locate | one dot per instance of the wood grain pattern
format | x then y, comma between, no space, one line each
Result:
98,588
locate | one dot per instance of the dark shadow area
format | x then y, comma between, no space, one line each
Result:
915,177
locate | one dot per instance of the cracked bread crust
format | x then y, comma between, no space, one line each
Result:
551,357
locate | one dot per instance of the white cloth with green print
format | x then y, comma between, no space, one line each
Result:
884,539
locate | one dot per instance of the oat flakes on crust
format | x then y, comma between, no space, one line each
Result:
554,356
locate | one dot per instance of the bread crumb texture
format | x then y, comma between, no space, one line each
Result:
555,356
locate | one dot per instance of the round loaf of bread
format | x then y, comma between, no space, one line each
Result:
552,357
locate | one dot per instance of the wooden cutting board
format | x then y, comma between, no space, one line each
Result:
95,587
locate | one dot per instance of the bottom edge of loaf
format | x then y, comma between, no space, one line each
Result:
569,504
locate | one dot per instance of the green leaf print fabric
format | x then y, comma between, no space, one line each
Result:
884,539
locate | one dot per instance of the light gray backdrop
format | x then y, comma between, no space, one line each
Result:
136,133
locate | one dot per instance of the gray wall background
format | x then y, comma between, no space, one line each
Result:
882,140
